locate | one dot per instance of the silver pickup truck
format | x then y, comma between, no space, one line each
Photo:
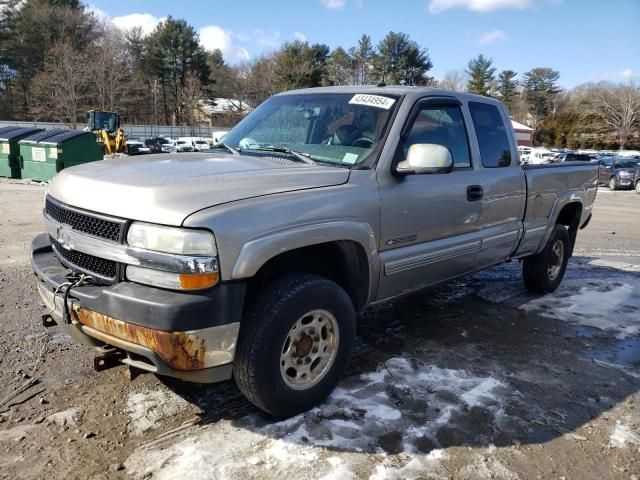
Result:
250,261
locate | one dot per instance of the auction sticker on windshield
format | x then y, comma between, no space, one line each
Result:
372,101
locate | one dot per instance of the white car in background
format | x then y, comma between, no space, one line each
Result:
218,135
524,153
541,156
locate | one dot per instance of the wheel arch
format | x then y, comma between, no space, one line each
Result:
344,252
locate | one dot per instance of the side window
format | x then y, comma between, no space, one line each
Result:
442,125
495,150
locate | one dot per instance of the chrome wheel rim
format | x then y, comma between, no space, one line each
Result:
309,350
638,187
556,259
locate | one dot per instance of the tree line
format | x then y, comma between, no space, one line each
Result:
58,59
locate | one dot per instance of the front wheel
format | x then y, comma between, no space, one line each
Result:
638,187
542,273
613,183
294,344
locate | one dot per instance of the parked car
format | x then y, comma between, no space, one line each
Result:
572,157
218,135
135,147
540,156
618,172
524,153
183,146
200,145
254,266
160,145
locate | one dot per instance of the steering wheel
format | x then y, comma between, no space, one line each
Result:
370,142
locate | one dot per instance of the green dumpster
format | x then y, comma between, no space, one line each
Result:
46,153
10,150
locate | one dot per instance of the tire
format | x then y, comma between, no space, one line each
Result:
542,273
613,183
265,367
638,187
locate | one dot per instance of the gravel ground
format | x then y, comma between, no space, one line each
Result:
473,379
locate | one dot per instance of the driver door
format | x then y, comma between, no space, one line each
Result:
431,223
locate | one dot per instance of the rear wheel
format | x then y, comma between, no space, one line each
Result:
638,187
542,273
294,344
613,183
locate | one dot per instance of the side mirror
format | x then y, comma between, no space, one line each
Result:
426,158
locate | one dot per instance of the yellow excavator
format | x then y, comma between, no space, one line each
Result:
106,127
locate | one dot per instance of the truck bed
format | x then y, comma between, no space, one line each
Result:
549,189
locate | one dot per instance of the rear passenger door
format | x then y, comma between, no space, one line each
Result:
501,181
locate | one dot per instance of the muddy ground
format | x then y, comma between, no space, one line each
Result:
473,379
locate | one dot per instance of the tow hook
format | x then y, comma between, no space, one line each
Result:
109,359
48,321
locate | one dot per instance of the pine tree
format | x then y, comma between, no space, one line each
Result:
340,67
400,60
481,75
540,87
363,56
507,86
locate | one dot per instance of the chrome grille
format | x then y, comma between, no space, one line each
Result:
103,269
91,225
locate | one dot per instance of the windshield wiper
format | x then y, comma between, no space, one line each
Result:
302,156
229,148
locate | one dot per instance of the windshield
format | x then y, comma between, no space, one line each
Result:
627,163
332,128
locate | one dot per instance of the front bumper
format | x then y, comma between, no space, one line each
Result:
187,335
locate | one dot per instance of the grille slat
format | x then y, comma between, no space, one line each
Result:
88,263
97,227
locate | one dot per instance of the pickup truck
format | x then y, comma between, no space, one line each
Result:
251,262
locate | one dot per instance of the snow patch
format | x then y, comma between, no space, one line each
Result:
611,305
418,467
484,467
146,409
339,470
400,407
622,435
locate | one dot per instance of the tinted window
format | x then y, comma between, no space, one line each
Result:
442,126
495,150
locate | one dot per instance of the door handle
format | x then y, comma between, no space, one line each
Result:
474,193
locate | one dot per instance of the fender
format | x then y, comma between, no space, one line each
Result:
255,253
572,196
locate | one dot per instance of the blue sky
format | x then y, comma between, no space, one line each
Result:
586,40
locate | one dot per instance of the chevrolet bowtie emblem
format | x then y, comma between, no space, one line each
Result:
63,237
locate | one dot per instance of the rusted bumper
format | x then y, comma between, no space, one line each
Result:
201,355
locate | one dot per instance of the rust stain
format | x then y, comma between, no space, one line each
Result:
177,349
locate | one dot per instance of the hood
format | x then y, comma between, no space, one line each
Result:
167,188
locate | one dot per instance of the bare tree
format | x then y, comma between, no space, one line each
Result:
110,73
61,89
455,80
613,109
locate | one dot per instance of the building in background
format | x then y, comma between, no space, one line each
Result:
524,134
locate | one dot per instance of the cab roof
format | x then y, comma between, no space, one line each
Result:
413,92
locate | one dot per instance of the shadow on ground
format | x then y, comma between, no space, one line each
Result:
459,364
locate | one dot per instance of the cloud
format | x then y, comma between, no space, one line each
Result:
491,37
146,21
299,36
333,4
626,73
267,39
214,37
437,6
98,13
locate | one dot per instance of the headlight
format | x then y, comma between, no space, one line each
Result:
625,174
173,281
181,241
